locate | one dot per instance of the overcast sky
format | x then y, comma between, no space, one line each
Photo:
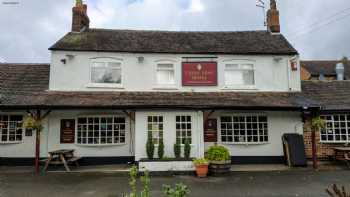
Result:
318,29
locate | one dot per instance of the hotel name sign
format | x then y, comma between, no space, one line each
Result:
199,74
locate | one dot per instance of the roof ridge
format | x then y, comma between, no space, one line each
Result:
177,31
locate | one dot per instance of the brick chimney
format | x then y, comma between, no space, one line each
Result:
273,18
80,19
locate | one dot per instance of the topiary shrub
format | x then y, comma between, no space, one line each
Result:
217,153
150,146
161,149
187,149
177,149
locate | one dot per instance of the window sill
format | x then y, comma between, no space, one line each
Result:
245,143
239,88
101,85
99,145
16,142
170,87
341,142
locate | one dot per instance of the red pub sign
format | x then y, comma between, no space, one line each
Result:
199,74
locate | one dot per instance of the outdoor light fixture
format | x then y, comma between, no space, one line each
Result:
69,56
140,59
277,59
64,61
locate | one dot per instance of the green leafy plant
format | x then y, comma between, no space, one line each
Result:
217,153
177,149
145,180
31,123
132,181
318,123
200,161
180,190
150,146
161,149
187,149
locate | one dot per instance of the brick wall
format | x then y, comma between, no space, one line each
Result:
323,150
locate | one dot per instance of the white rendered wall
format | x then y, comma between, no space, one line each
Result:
278,124
271,73
169,132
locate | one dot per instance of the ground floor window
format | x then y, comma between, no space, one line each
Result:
11,128
184,129
244,129
101,130
155,127
337,128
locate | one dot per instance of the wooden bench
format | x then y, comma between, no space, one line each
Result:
74,160
347,159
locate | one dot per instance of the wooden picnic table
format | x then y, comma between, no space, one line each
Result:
342,154
59,157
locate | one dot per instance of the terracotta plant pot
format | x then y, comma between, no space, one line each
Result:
202,170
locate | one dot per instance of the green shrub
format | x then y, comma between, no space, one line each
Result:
200,161
150,146
161,149
187,149
180,190
177,149
217,153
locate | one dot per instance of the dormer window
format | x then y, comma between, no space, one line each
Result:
165,74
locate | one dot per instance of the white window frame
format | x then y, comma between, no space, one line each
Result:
106,85
332,124
99,144
159,136
246,138
240,64
192,129
8,130
169,86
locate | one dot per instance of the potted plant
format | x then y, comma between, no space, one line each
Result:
219,160
201,166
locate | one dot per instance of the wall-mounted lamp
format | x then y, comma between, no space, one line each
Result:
140,59
64,61
69,56
277,59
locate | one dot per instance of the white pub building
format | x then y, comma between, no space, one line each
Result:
105,89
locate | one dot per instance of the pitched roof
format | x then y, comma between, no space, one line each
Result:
24,77
331,95
137,41
327,67
132,100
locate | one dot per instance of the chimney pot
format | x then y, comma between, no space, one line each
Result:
273,18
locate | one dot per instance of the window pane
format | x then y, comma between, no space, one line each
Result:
233,77
11,128
248,77
165,74
106,73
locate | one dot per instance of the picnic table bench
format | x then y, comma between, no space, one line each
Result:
59,157
342,154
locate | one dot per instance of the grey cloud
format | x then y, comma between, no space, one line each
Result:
30,27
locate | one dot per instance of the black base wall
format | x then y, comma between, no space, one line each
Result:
257,160
85,161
